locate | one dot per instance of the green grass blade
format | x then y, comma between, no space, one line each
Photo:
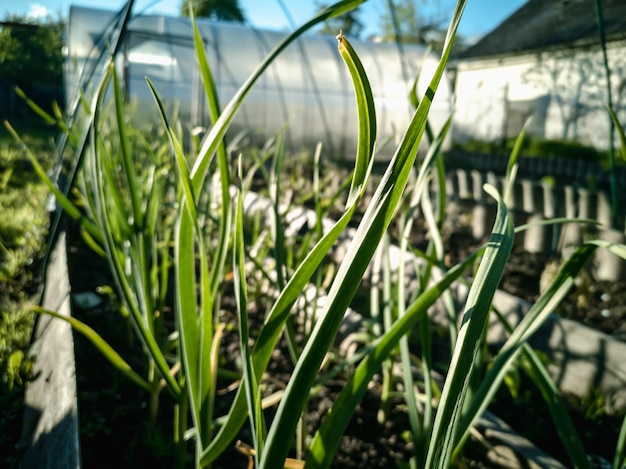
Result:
620,451
211,141
127,291
368,235
115,258
557,408
418,433
384,319
420,427
196,332
250,382
557,221
616,248
120,216
181,160
35,107
81,142
473,324
535,317
222,158
512,165
279,247
437,241
103,347
210,90
328,436
271,331
414,98
620,132
127,159
278,229
186,307
92,243
72,211
366,112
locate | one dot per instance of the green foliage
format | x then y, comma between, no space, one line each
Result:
224,10
349,23
403,21
16,324
31,52
536,147
480,146
23,225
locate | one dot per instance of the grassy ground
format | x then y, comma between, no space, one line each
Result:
23,228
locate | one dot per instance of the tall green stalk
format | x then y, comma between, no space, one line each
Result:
367,237
615,203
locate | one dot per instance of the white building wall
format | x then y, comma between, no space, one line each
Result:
564,91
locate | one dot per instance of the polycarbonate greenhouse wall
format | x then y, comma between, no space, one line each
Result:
307,88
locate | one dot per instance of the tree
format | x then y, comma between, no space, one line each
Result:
31,58
403,22
31,52
349,23
225,10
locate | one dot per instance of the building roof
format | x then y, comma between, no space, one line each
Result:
540,24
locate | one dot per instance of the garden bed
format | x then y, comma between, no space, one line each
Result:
113,411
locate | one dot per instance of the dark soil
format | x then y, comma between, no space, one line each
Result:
598,304
113,412
115,431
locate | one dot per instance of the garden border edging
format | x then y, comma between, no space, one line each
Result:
51,417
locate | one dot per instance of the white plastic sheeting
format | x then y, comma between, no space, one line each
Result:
307,88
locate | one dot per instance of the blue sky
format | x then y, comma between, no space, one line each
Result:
480,16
